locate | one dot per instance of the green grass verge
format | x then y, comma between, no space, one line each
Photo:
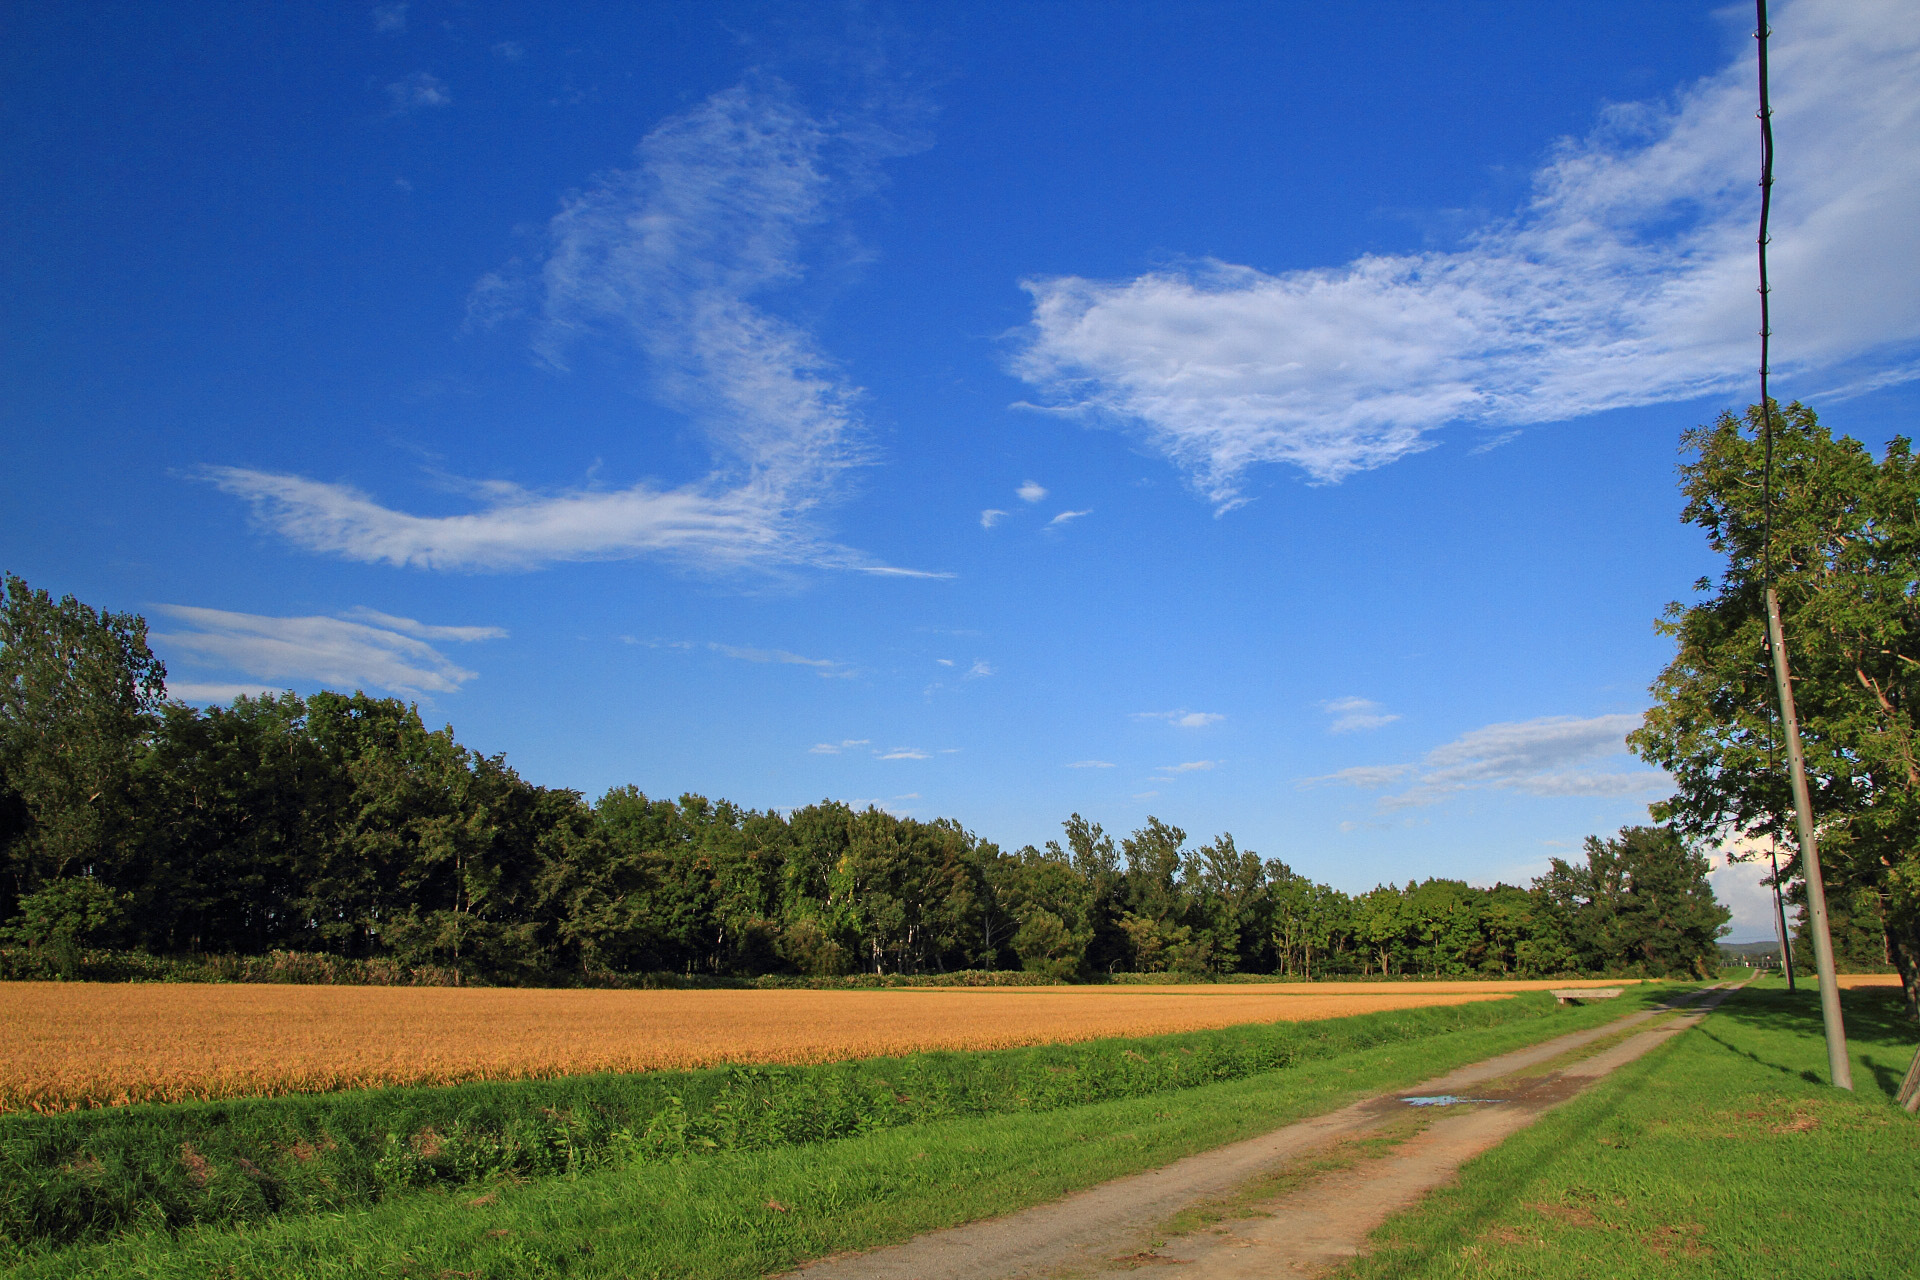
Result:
1724,1155
714,1215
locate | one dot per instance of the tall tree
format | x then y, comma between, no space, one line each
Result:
79,695
1844,551
1051,902
1096,858
1641,902
1162,882
229,800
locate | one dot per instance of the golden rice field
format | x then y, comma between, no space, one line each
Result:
73,1045
1848,981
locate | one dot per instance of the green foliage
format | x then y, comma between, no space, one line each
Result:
64,917
1857,923
1846,563
77,908
1640,904
78,693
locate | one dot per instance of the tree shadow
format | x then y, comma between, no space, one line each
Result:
1881,1035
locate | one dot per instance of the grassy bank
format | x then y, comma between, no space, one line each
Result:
742,1211
1725,1156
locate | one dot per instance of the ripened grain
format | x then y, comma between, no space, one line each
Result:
69,1045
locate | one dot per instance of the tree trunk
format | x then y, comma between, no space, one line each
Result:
1909,1095
1904,948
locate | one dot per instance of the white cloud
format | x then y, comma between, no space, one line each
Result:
824,666
835,748
991,517
829,667
1368,776
341,652
1550,756
1182,719
1626,279
421,89
945,662
519,529
978,670
1736,873
1351,715
1031,491
668,261
1065,516
420,630
861,805
509,51
1191,766
1091,764
390,19
903,753
1145,795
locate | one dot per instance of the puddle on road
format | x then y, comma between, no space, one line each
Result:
1445,1100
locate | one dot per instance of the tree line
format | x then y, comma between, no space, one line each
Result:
341,824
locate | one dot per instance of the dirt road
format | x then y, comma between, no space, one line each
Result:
1301,1233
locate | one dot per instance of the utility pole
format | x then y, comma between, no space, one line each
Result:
1837,1063
1839,1068
1780,914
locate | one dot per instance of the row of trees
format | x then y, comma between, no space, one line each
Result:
342,824
1839,530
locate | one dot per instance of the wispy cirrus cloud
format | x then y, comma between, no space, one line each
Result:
835,748
1182,719
1626,279
828,667
421,630
1066,516
904,753
780,657
1365,775
365,649
1550,756
1091,764
991,517
671,261
1354,715
1191,766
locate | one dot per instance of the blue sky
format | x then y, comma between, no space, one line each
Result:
1262,416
